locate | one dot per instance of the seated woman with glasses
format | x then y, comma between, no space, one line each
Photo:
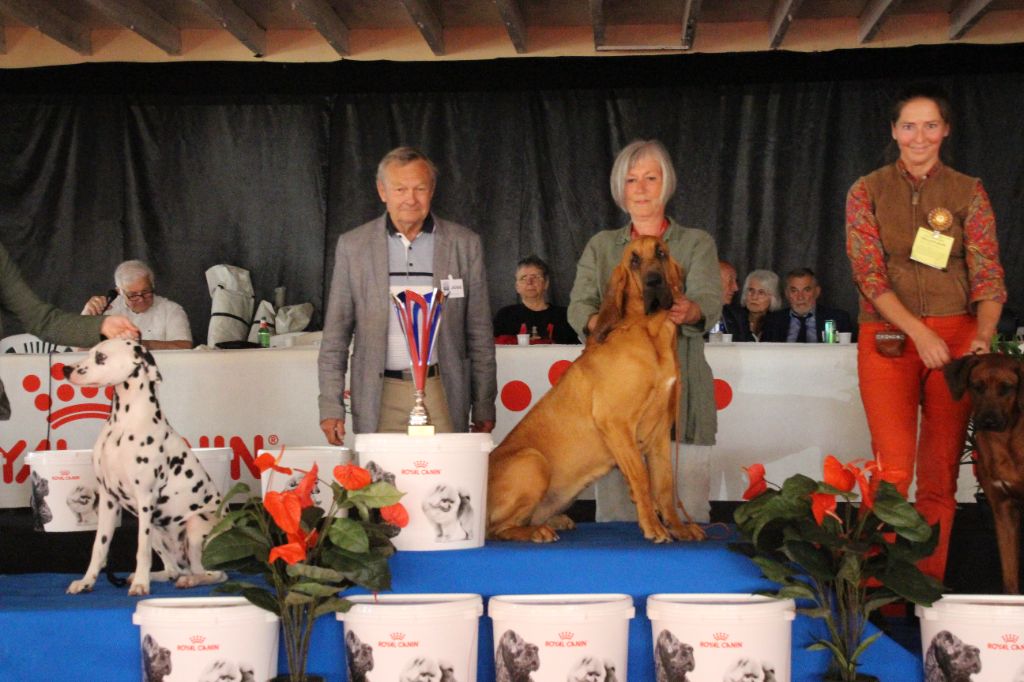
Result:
760,296
163,323
544,322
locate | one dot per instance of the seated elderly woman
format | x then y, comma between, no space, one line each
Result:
760,296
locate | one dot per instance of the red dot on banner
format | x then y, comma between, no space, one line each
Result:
90,391
556,371
723,394
109,392
65,392
516,396
57,371
42,402
31,383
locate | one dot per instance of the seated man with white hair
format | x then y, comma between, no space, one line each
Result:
163,323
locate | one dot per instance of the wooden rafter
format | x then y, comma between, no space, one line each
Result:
50,22
691,14
597,20
782,17
872,18
965,15
236,22
515,24
139,17
3,40
428,22
326,21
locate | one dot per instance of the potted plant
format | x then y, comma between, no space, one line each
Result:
306,556
840,561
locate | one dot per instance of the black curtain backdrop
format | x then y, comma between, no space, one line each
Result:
188,165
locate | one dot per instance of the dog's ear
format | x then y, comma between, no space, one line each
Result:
147,364
1020,385
958,375
613,305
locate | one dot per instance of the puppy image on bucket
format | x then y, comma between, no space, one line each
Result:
973,638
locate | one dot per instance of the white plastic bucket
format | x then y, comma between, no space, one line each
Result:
217,463
444,478
412,636
711,637
199,638
555,637
981,635
326,457
64,491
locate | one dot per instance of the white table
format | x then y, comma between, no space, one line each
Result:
785,406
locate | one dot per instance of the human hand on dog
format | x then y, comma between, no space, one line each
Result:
684,311
118,327
485,426
334,430
932,350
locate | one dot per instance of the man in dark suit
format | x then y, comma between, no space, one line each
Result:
804,319
734,317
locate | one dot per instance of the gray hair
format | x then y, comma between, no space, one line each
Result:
628,157
132,270
403,156
769,280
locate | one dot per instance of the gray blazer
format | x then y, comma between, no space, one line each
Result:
358,310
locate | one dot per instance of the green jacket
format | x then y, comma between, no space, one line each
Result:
42,319
695,251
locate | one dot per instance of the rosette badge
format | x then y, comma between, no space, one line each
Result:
940,219
420,318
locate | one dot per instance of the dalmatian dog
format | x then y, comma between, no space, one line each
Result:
449,511
143,465
83,501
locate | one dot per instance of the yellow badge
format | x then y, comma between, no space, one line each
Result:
940,219
931,248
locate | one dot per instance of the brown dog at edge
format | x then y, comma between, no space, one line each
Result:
996,385
613,407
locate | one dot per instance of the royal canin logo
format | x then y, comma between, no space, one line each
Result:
1010,639
397,636
421,463
65,393
721,636
565,635
197,639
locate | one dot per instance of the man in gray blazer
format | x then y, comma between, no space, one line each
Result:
407,247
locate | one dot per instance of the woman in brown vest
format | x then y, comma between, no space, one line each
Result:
921,239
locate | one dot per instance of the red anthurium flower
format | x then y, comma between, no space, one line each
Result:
268,461
395,514
758,485
285,508
839,476
352,477
305,487
822,504
292,553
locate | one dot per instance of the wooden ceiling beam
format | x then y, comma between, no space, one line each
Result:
139,17
691,14
428,22
512,16
874,15
326,21
782,17
965,15
236,22
598,22
3,39
50,22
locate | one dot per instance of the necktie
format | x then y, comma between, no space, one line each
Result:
801,335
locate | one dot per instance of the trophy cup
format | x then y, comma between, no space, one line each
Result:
420,316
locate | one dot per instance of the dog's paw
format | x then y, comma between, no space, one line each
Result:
139,588
79,586
544,533
690,532
561,522
197,579
656,533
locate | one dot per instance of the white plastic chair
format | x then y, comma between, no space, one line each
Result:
29,343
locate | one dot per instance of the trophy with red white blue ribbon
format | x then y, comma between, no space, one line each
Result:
420,317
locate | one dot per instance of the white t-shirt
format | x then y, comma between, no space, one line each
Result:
165,320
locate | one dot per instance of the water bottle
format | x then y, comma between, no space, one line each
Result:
264,334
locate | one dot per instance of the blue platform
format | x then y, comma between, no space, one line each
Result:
46,634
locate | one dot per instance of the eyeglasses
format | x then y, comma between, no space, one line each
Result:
137,295
530,279
756,292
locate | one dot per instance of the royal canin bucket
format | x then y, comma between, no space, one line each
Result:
412,636
444,478
715,637
64,490
217,463
978,637
301,459
206,638
555,637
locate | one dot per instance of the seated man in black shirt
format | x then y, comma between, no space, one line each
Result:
544,322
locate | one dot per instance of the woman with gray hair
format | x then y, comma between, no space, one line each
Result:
642,182
760,296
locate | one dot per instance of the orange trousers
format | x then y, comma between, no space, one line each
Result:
915,424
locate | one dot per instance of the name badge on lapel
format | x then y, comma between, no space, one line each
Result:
931,247
452,287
